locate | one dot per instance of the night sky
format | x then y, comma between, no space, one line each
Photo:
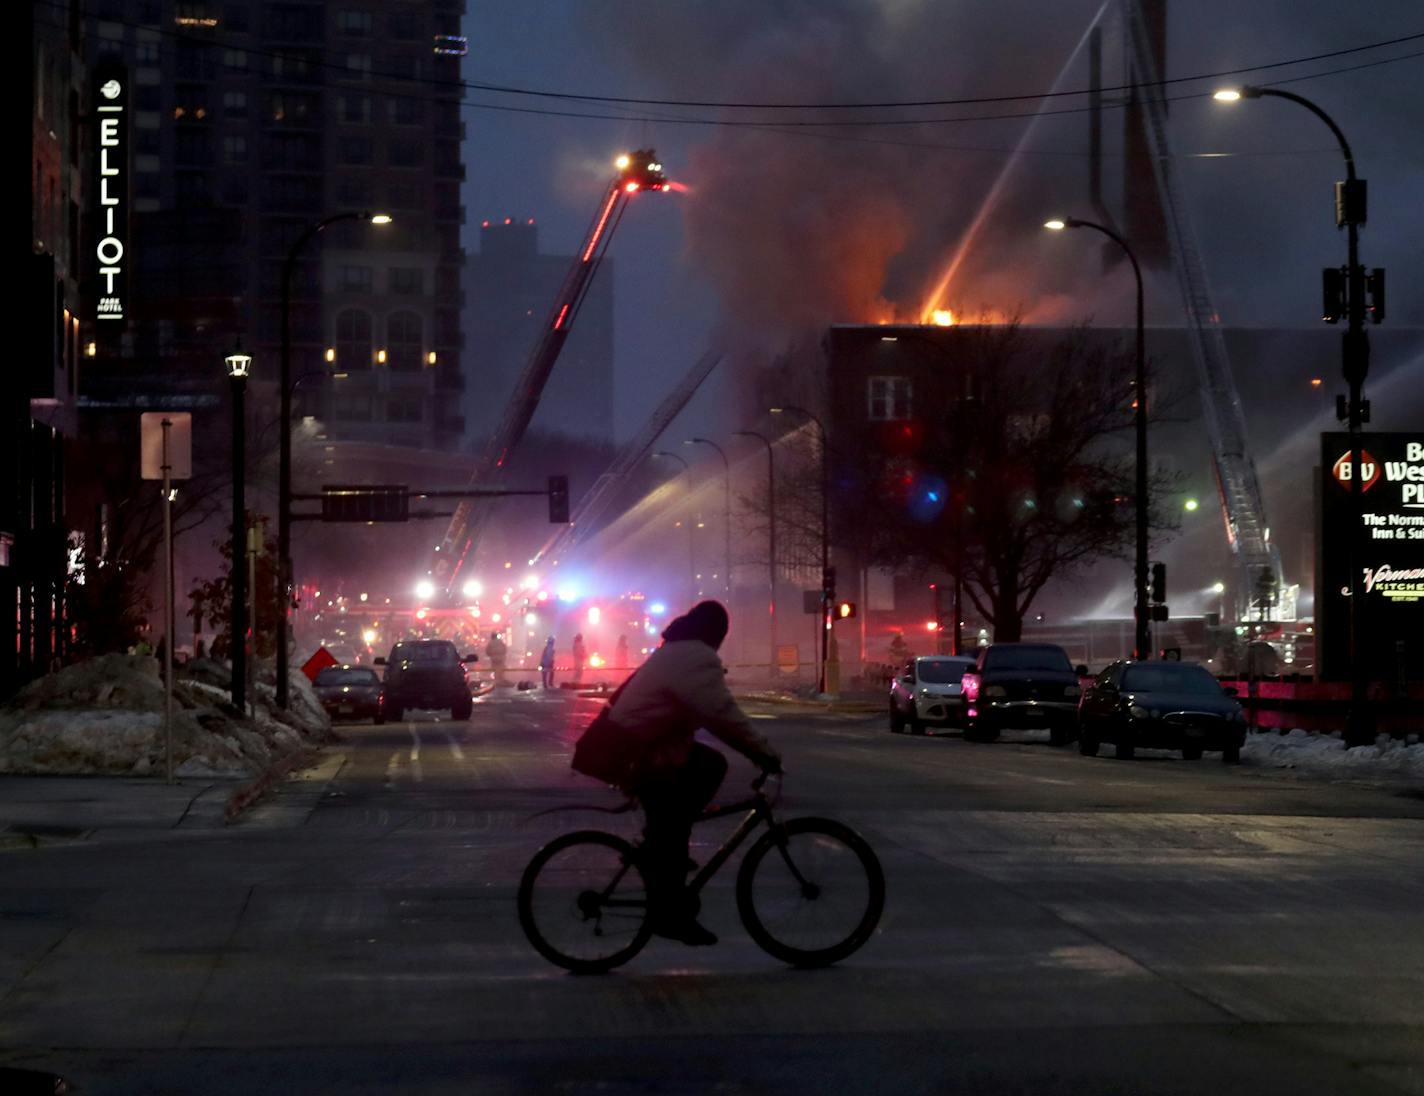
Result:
783,232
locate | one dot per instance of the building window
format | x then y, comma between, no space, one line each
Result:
234,149
353,340
350,407
405,196
889,399
235,104
234,60
356,279
407,112
194,148
354,23
403,154
405,335
354,150
407,279
354,109
359,65
146,53
403,26
354,190
403,409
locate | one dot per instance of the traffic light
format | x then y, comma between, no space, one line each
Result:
845,610
1374,295
828,584
559,500
1159,582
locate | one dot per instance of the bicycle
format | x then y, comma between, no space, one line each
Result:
583,898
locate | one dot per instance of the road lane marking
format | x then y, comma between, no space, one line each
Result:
458,753
415,769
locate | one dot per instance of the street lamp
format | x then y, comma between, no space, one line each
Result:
691,550
726,507
1350,205
770,535
239,365
1142,644
284,449
826,592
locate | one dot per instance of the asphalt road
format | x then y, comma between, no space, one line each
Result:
1055,924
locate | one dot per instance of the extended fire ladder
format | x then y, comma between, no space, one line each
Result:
1240,490
601,495
638,171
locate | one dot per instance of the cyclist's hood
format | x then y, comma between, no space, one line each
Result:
707,621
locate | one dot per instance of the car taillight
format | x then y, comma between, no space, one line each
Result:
969,686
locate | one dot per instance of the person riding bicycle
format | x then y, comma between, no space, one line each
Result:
682,686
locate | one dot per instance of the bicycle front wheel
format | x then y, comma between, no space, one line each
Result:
810,892
583,902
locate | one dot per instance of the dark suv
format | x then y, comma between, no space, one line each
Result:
427,673
1022,685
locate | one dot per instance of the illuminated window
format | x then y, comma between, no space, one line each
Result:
889,399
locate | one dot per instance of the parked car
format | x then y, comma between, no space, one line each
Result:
1022,685
1167,705
427,673
926,692
351,692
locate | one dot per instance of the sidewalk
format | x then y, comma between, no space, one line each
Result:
53,810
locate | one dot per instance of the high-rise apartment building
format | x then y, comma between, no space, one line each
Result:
253,121
48,92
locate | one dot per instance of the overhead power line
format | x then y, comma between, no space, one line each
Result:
209,39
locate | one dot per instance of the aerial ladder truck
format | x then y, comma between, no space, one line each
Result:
637,172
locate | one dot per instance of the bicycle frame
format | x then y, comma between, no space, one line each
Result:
758,809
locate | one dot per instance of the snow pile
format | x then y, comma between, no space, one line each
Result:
105,715
1313,752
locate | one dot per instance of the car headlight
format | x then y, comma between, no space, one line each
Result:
1072,690
996,690
1138,712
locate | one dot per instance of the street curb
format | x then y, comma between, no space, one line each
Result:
850,707
247,795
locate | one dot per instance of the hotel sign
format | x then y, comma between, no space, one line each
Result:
1386,539
112,186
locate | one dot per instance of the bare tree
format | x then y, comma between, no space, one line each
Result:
1015,473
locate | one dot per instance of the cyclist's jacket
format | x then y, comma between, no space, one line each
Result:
681,687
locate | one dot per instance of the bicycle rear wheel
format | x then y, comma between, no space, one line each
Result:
583,902
810,892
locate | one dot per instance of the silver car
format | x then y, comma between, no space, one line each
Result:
926,692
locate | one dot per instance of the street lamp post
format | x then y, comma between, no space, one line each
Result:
284,445
770,536
1141,641
826,617
726,508
239,365
691,549
1350,203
